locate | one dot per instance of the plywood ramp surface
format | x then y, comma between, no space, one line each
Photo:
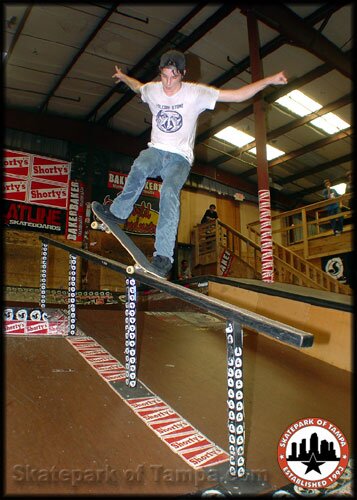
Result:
185,363
332,328
61,414
61,417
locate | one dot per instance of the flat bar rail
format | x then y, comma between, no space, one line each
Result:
236,318
249,319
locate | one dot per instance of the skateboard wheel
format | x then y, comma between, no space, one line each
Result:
130,269
107,230
94,225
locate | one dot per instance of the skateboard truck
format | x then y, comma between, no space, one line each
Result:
100,225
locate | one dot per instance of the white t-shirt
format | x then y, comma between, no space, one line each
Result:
174,118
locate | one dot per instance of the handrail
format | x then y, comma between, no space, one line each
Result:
275,329
236,319
330,283
313,206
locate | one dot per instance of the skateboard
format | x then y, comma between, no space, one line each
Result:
141,262
97,224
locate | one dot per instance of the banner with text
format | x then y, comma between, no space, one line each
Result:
33,218
75,211
144,217
35,179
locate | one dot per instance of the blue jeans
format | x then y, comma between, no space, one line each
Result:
336,224
173,170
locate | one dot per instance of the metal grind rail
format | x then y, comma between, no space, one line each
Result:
236,319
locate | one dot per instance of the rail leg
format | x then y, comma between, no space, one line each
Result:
130,333
43,274
235,401
72,294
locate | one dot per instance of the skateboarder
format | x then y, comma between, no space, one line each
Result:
175,106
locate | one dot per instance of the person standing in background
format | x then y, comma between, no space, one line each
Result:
334,208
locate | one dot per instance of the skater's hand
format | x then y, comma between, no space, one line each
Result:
119,75
132,83
278,79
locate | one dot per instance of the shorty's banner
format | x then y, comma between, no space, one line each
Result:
75,211
35,179
47,194
16,163
144,217
15,188
34,218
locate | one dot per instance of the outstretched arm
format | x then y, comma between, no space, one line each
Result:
248,91
132,83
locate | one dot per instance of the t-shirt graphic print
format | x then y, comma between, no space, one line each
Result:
175,117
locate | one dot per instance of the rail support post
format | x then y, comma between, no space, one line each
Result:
43,274
130,333
72,292
236,428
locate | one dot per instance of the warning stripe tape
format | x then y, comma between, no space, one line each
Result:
173,430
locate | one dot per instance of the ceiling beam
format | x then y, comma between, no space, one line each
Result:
154,53
305,149
269,98
78,54
68,129
314,189
298,122
311,147
290,25
185,44
315,170
17,34
318,15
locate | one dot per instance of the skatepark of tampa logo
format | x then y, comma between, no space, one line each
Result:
313,453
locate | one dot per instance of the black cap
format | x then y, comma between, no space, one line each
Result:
173,58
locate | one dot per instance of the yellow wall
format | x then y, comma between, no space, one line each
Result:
332,329
193,206
249,213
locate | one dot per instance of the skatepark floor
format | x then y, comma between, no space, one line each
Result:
61,416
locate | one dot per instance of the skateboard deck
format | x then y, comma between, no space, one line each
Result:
141,262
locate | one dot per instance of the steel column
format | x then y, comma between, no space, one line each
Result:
72,292
266,241
130,333
235,401
43,274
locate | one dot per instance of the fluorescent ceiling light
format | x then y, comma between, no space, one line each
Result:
298,103
270,151
340,188
330,123
302,105
234,136
238,138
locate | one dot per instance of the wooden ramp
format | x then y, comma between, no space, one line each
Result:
327,315
61,415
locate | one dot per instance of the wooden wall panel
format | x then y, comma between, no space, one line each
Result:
332,328
22,253
193,206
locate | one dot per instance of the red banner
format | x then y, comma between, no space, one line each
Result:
17,163
48,194
50,170
75,211
144,217
35,179
117,181
225,262
15,188
33,218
